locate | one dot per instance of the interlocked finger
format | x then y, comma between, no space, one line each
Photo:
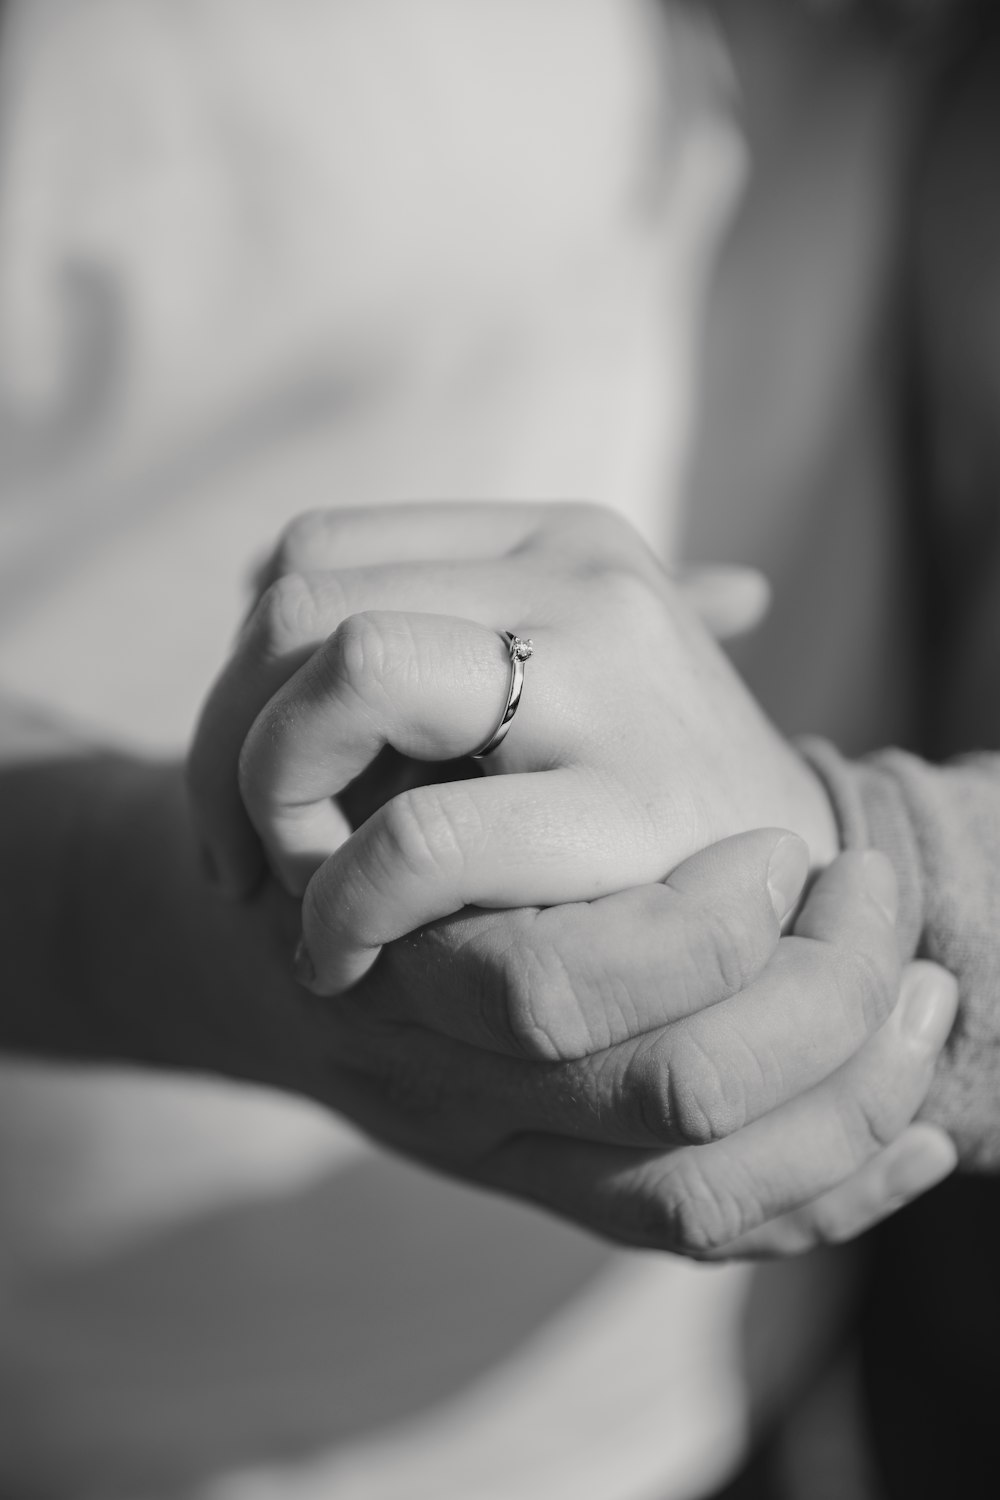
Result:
376,536
430,686
293,619
699,1200
916,1161
721,1063
564,982
498,841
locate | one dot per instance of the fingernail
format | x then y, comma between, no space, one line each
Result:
929,1000
209,868
786,874
922,1162
302,965
880,880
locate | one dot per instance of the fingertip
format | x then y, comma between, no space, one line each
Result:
741,861
314,975
330,957
928,1004
762,872
787,873
923,1156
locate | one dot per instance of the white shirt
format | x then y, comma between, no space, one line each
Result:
255,257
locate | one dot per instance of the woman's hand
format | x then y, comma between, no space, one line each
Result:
635,743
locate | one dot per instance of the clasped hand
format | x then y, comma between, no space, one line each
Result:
639,1050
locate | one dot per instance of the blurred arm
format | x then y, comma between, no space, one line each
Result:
112,945
940,826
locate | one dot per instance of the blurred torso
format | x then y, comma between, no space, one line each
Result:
249,263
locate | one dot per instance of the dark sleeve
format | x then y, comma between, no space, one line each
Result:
940,826
112,945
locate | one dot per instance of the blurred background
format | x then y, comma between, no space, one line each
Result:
262,255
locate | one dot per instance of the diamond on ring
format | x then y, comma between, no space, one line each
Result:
519,650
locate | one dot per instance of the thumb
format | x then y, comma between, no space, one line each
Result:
740,871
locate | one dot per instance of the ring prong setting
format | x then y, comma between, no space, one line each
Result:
519,649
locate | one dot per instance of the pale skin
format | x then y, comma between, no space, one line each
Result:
648,746
646,1055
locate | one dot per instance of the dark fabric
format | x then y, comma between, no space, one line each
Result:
757,1480
939,818
931,1345
931,1318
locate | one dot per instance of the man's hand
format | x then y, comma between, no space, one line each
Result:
717,1092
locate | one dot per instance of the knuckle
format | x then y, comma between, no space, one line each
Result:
623,595
356,660
286,615
545,1019
516,993
302,537
645,1094
420,834
866,985
599,535
738,942
605,526
683,1210
357,649
719,952
703,1105
539,1004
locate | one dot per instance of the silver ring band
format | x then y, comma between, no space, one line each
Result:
519,651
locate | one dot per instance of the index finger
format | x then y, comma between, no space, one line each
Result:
294,618
430,686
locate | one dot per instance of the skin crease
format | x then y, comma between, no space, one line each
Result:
612,1150
426,1115
608,809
